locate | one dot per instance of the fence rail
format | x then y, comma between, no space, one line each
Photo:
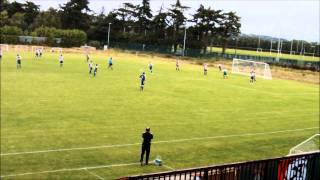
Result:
297,167
292,63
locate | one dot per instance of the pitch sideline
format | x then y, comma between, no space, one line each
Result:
155,142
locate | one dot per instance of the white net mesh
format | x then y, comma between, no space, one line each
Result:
56,49
312,144
4,47
19,48
34,48
244,67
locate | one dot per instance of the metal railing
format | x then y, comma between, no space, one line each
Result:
297,167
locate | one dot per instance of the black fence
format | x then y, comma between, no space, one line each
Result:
198,53
297,167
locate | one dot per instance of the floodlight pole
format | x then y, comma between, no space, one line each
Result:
258,43
291,47
301,48
184,40
109,34
270,45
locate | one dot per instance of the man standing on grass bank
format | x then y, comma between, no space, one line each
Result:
146,144
18,61
143,79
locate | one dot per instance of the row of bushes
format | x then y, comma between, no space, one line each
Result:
69,38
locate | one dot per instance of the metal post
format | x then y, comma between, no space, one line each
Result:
270,46
184,40
258,43
291,47
301,48
109,34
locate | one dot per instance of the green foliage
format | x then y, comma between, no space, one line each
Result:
4,18
18,20
73,15
72,38
11,30
49,18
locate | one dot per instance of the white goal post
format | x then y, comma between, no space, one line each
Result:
4,47
34,48
56,49
18,48
311,144
261,69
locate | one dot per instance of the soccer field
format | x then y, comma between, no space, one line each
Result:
266,54
61,123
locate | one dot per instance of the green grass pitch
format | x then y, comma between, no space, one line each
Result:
196,120
266,54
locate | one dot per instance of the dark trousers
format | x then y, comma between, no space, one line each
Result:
145,149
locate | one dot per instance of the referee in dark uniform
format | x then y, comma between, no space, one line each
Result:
147,137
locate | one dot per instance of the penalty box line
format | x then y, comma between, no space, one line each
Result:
72,169
155,142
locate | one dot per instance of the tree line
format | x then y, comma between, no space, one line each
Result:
131,23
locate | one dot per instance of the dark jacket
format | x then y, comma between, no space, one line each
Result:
147,137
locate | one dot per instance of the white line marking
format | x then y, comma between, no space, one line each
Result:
71,169
156,142
168,167
96,175
56,132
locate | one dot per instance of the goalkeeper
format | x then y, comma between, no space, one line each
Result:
225,74
252,76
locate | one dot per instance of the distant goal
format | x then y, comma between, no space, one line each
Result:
311,144
261,69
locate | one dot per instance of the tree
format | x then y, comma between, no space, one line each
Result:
49,18
18,20
127,15
159,25
74,15
4,18
31,11
177,20
229,27
14,7
206,22
144,16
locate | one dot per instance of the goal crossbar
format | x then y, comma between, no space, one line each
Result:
245,67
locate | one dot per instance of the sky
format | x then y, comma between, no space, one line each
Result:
289,19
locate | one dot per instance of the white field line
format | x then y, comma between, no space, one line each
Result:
156,142
168,167
96,175
70,169
56,132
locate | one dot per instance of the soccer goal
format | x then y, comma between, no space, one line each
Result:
261,69
4,47
56,49
259,49
18,48
312,144
34,48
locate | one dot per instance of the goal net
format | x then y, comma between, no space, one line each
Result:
4,47
244,67
34,48
56,49
18,48
312,144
